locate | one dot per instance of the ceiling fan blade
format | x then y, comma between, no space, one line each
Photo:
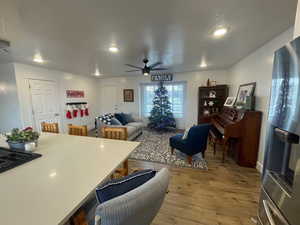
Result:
159,69
155,64
132,71
134,66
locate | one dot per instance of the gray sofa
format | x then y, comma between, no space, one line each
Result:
134,129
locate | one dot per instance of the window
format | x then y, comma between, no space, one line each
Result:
176,92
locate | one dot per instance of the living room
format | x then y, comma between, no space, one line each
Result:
110,70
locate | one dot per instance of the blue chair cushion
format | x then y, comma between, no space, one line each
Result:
177,142
177,137
117,187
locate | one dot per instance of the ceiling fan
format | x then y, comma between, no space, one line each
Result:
146,69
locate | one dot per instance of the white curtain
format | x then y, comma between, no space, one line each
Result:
176,93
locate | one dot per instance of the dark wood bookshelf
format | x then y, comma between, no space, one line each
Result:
205,110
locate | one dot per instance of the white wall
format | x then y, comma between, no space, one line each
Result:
65,81
257,67
193,80
297,22
10,116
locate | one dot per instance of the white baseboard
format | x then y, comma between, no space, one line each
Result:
259,167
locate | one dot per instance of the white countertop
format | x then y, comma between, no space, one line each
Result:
47,190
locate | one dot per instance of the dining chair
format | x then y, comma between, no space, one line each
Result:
50,127
133,204
79,218
117,133
78,130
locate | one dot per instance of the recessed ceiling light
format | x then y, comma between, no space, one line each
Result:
220,32
113,49
38,58
203,65
97,73
53,174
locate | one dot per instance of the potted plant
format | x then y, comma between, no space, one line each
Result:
17,139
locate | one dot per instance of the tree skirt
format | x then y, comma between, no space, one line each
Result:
155,147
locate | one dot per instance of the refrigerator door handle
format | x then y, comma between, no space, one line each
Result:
268,212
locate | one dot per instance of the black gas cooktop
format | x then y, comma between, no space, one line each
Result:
13,158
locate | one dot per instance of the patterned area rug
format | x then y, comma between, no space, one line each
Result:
154,147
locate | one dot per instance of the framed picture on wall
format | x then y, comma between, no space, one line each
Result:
128,95
244,91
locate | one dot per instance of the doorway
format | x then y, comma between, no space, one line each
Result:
45,107
109,99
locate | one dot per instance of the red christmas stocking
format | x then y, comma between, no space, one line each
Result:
75,112
69,114
81,112
86,111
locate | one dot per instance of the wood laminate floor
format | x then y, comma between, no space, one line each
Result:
226,194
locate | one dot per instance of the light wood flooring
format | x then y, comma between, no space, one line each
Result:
226,194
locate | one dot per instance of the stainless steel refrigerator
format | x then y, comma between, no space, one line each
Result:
280,195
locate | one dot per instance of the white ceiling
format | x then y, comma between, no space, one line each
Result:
74,35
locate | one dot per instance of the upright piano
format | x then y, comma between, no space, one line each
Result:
239,130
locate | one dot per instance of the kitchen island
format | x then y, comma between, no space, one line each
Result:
48,190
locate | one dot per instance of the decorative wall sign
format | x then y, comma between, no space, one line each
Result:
128,95
162,77
75,94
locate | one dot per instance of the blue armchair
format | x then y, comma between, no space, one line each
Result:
195,142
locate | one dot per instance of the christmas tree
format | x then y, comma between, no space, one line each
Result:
161,116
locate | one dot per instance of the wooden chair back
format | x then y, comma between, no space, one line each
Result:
118,133
79,218
50,127
78,130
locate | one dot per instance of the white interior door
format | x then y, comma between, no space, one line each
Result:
109,99
45,107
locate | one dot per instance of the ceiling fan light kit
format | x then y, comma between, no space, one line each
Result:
146,70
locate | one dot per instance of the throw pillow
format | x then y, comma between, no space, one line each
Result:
115,121
186,133
115,188
128,118
106,118
121,118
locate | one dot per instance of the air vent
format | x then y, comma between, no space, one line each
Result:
4,47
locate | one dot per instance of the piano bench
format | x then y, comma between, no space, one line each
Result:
215,137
